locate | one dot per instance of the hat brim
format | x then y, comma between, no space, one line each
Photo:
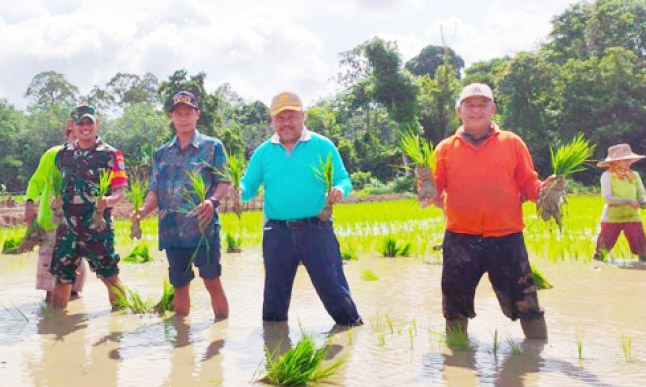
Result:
86,115
633,158
283,108
183,103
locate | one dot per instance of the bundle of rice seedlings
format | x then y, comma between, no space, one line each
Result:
299,366
136,194
539,279
325,173
423,155
10,245
104,187
457,338
35,235
566,160
391,248
349,252
196,196
166,301
56,181
232,172
132,300
139,254
233,243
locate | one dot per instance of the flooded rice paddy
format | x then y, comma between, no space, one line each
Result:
595,313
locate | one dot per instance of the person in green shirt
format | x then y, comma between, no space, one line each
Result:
40,189
623,192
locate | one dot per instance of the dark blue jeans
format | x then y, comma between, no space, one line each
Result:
287,243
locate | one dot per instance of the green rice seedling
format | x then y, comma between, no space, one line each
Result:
381,339
139,254
10,245
514,347
233,171
539,279
391,248
579,344
198,189
350,336
369,276
325,173
390,324
627,347
105,178
424,156
34,236
413,324
567,159
456,338
349,252
300,365
495,347
15,313
233,243
167,298
132,300
411,335
136,194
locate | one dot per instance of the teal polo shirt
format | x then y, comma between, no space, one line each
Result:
291,187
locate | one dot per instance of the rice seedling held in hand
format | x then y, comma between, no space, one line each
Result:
325,173
35,235
233,171
300,366
166,302
136,193
195,197
423,155
566,160
139,254
233,243
539,279
98,221
10,245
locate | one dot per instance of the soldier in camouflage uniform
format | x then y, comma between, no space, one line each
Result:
81,164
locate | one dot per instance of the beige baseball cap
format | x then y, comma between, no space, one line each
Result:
285,100
475,90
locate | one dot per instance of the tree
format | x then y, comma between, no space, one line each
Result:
127,89
49,87
431,58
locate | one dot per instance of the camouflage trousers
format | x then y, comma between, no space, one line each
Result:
72,245
467,257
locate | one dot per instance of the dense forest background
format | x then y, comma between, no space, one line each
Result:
588,77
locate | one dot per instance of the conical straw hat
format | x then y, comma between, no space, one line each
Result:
619,152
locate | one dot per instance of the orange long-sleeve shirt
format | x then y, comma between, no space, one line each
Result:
484,186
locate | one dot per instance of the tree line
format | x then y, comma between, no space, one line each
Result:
589,77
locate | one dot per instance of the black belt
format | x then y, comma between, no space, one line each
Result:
295,223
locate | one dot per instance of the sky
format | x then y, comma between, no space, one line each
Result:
259,47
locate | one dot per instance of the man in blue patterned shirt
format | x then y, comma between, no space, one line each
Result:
189,230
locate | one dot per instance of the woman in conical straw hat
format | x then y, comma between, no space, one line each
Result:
623,192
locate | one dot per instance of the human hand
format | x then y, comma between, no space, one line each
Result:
102,202
55,203
335,195
205,213
635,204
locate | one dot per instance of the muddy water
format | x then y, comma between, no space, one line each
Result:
400,344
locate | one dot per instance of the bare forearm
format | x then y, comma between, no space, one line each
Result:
221,191
150,204
118,194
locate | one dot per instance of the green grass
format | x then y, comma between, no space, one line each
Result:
514,347
495,347
300,365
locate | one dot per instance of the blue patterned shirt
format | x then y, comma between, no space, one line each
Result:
176,199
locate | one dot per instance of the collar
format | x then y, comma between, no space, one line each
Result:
495,130
195,141
306,135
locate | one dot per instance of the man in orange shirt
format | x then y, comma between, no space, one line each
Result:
483,175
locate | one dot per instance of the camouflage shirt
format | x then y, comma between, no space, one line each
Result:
176,199
81,169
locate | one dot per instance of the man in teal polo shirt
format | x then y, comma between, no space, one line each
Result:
293,196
